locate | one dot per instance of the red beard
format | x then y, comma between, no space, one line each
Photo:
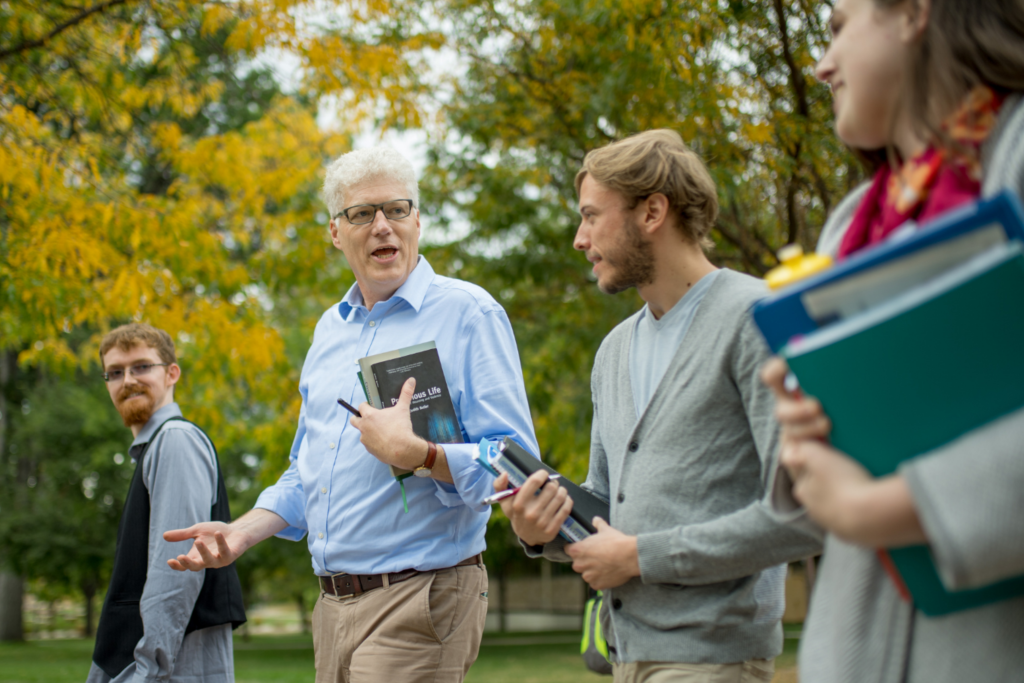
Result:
138,410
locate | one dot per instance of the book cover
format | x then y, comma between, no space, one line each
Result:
432,412
915,374
370,388
520,464
366,363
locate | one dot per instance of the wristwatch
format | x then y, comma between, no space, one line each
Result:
428,464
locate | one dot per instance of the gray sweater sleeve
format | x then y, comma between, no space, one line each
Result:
968,497
181,476
750,539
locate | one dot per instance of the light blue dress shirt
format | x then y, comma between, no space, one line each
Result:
345,498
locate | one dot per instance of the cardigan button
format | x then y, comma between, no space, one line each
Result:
633,447
616,603
622,497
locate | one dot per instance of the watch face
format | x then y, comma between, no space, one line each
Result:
421,472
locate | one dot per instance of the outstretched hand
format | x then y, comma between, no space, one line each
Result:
216,544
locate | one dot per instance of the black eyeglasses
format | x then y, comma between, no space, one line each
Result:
361,214
117,374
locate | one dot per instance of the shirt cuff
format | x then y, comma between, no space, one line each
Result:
553,551
472,482
289,506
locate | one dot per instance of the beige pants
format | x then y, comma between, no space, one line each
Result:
754,671
427,628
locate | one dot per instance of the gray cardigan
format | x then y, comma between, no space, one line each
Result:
688,479
968,496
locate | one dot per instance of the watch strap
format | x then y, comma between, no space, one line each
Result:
428,464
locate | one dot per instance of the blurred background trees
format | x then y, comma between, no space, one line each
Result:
155,165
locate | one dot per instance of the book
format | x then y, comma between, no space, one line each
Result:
519,464
432,411
916,372
366,363
876,274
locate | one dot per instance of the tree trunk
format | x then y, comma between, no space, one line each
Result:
300,602
89,590
547,593
12,593
502,601
12,588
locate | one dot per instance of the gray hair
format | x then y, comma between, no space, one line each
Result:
375,163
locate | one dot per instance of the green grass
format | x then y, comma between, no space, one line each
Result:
289,659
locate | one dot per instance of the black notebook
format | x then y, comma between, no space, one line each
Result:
585,505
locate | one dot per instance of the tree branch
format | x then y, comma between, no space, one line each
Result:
59,28
796,77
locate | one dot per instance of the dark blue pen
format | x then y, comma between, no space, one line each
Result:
348,407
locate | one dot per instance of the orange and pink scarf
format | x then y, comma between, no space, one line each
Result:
931,183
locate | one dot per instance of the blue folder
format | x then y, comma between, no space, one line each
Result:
786,314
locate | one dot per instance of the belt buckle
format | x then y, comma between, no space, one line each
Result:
337,591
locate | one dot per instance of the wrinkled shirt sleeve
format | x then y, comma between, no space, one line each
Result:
493,405
286,497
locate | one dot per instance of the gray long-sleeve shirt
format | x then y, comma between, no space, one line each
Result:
180,473
687,478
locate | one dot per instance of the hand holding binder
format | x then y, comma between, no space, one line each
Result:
931,354
539,508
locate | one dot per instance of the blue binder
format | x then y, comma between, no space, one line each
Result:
786,314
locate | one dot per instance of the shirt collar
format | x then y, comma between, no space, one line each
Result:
413,291
158,418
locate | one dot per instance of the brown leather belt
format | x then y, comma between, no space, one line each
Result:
348,585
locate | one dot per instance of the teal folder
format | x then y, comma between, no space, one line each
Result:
912,375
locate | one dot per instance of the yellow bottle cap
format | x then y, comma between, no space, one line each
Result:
795,266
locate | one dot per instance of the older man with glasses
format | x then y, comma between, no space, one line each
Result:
403,595
158,624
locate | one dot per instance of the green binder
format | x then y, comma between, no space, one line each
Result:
917,372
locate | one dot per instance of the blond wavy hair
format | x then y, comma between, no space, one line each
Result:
658,161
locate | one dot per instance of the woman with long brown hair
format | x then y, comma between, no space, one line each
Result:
932,90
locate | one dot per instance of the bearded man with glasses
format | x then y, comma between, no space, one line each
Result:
403,596
158,624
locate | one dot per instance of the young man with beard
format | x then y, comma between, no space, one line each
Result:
159,624
683,435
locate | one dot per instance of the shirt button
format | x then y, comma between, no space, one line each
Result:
332,445
633,446
616,603
622,497
320,535
323,489
373,323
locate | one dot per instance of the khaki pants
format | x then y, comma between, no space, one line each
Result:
427,628
754,671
